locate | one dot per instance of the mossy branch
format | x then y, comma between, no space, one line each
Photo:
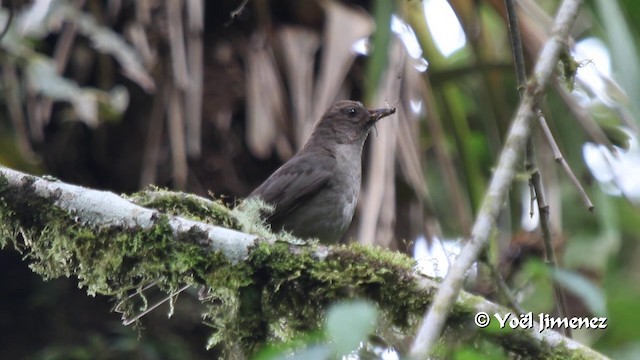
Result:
114,246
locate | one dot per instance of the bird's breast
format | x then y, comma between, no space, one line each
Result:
346,181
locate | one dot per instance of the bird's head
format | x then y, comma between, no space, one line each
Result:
348,121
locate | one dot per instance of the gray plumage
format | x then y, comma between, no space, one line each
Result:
315,193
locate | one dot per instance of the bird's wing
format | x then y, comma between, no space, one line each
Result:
297,180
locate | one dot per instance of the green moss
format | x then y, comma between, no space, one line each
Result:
569,68
280,290
185,205
297,285
113,260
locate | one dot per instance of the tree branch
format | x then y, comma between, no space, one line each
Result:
286,272
105,209
509,160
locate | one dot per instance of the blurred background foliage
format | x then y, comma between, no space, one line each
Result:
213,96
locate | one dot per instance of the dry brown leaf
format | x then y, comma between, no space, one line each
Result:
143,11
377,220
137,35
195,15
408,132
265,98
299,46
193,94
176,43
153,141
177,138
344,25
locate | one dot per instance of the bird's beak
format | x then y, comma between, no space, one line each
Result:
380,113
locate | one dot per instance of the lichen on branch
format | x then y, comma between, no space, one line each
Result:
259,289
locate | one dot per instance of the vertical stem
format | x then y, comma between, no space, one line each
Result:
535,181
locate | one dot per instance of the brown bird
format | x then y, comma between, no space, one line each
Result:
315,193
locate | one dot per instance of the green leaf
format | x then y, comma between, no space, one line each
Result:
624,53
349,323
535,281
586,290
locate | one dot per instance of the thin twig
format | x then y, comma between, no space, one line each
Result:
532,200
501,181
560,159
550,254
535,182
516,45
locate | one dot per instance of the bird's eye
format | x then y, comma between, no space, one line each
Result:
351,112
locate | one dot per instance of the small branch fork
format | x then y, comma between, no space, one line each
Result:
559,158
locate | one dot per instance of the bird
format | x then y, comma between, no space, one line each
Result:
314,194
